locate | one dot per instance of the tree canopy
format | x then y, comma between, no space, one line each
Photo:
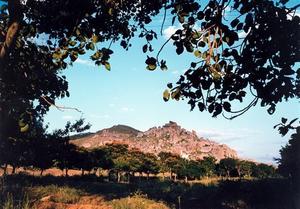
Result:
227,67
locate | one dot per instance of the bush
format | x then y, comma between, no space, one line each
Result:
137,201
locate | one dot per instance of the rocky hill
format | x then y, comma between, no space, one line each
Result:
168,138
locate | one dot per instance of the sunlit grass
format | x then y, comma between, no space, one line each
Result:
61,194
137,201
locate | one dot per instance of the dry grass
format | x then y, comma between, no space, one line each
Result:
137,201
11,203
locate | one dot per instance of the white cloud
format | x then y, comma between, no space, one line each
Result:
169,31
127,109
85,62
67,117
225,136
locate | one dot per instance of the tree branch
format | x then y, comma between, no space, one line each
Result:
61,108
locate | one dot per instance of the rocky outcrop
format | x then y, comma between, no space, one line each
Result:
168,138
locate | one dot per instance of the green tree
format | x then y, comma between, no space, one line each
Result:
102,158
208,165
263,171
189,169
118,153
245,168
66,153
170,163
150,164
289,162
227,166
83,160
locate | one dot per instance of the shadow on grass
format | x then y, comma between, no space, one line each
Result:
242,194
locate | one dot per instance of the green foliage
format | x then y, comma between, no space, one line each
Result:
245,168
289,162
263,171
227,165
228,65
208,166
189,169
150,164
169,162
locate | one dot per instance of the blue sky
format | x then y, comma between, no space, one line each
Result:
131,95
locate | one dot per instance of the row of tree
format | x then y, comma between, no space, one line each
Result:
55,150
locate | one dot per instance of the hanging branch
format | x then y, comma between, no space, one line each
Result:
242,111
161,48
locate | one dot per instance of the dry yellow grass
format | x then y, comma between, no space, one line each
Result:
137,202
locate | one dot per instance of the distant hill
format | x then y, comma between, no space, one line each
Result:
168,138
81,135
122,129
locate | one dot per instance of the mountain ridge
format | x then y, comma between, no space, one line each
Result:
167,138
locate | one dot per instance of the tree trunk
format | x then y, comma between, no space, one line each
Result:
185,179
41,173
67,171
128,176
13,169
175,177
119,177
239,173
163,176
108,178
5,169
82,172
148,174
15,17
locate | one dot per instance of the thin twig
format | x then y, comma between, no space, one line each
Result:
61,108
161,48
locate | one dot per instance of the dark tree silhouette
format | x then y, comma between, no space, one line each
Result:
289,162
227,166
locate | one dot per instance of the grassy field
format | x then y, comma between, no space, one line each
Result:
24,191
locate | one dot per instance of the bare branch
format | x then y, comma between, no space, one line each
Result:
61,108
